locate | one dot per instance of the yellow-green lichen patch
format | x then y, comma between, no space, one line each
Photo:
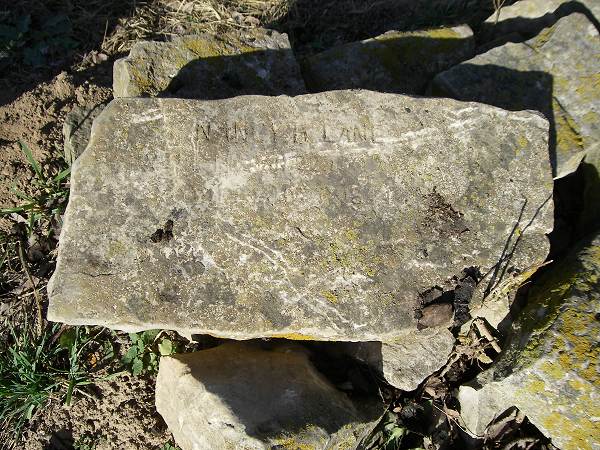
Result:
330,296
588,88
544,36
568,136
293,336
579,435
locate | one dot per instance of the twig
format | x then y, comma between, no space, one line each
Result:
483,330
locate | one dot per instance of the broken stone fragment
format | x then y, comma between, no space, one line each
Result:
528,17
254,61
550,369
400,62
321,217
404,362
240,396
77,128
557,72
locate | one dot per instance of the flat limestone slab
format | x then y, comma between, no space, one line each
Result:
320,217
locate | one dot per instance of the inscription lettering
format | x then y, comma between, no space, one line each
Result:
242,132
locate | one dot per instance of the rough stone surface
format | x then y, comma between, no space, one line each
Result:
317,217
551,370
401,62
525,16
205,66
239,396
557,73
77,128
408,361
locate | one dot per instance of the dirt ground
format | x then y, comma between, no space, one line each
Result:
118,414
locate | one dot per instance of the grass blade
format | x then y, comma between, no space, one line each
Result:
31,159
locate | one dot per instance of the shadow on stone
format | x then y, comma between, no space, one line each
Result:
519,29
398,63
265,391
255,73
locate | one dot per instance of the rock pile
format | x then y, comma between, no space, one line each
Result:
380,221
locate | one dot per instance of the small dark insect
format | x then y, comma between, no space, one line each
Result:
163,234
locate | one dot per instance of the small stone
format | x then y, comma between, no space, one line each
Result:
76,130
550,369
255,61
557,73
436,315
239,395
401,62
295,217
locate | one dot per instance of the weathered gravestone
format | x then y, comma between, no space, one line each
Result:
550,368
241,396
557,72
321,217
206,66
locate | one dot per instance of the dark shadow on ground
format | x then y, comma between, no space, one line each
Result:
61,440
315,25
40,39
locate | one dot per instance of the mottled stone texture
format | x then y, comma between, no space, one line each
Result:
206,66
400,62
239,396
557,72
320,217
77,128
550,369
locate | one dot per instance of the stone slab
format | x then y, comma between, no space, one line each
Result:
317,217
550,369
557,72
239,396
399,62
207,66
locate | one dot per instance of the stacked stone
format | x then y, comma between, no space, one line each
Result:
217,197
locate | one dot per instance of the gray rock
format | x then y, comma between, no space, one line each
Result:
555,73
550,369
320,217
239,396
401,62
255,61
77,128
528,17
